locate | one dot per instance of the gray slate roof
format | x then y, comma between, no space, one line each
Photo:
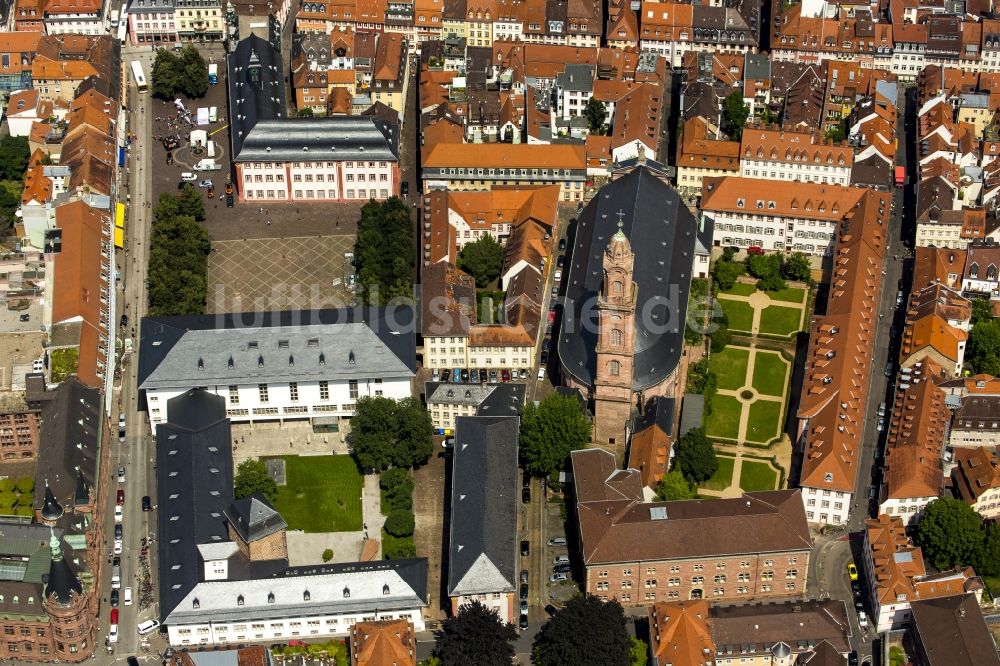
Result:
662,233
194,477
260,130
69,444
308,345
254,518
482,557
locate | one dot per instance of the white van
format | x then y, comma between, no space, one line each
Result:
113,634
188,177
213,114
127,597
147,627
207,165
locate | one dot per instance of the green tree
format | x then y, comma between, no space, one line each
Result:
696,456
771,283
305,112
764,265
8,206
896,656
983,350
24,511
550,431
386,433
252,477
639,652
191,203
178,266
373,431
7,501
476,636
673,486
398,549
734,114
950,533
982,310
327,555
14,156
482,259
797,267
392,479
720,337
988,560
384,252
25,484
596,113
726,272
839,133
7,485
399,523
193,72
585,631
165,77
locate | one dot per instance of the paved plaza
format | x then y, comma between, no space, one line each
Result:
271,274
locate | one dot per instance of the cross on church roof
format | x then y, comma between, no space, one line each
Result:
620,234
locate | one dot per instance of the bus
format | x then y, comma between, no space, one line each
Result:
140,78
122,26
119,225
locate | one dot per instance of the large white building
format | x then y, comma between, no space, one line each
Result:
797,156
310,364
301,160
223,564
754,212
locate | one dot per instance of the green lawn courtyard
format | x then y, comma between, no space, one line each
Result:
757,475
741,289
788,294
764,421
780,320
321,494
723,476
730,367
739,314
725,420
770,373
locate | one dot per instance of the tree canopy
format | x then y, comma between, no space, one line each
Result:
983,350
585,631
550,432
797,267
483,259
734,114
726,271
184,73
14,155
596,113
178,257
950,533
252,477
673,486
696,456
982,310
384,251
475,637
386,433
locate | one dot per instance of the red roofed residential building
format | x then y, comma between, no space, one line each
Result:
839,363
702,153
976,479
749,548
81,290
896,575
383,643
936,330
789,155
913,474
79,17
24,108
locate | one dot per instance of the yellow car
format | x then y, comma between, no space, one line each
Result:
852,571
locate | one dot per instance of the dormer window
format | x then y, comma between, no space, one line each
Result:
195,603
740,203
305,596
829,477
291,361
270,597
232,363
201,364
260,361
239,600
385,590
322,358
347,593
350,357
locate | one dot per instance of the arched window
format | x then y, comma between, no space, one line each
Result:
617,288
616,337
614,368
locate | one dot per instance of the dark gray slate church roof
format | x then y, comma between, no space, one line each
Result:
662,232
254,518
483,506
261,131
194,478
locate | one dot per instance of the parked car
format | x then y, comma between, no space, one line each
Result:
113,634
465,374
118,532
555,292
524,606
211,193
121,470
890,368
551,610
188,177
118,547
561,261
560,559
523,622
146,504
544,359
119,514
558,541
114,598
229,187
862,620
558,577
562,244
493,375
25,317
114,616
127,597
852,571
120,500
435,375
230,201
204,184
147,627
562,568
546,343
524,591
170,158
524,548
557,276
523,374
483,375
404,188
505,375
524,577
456,376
